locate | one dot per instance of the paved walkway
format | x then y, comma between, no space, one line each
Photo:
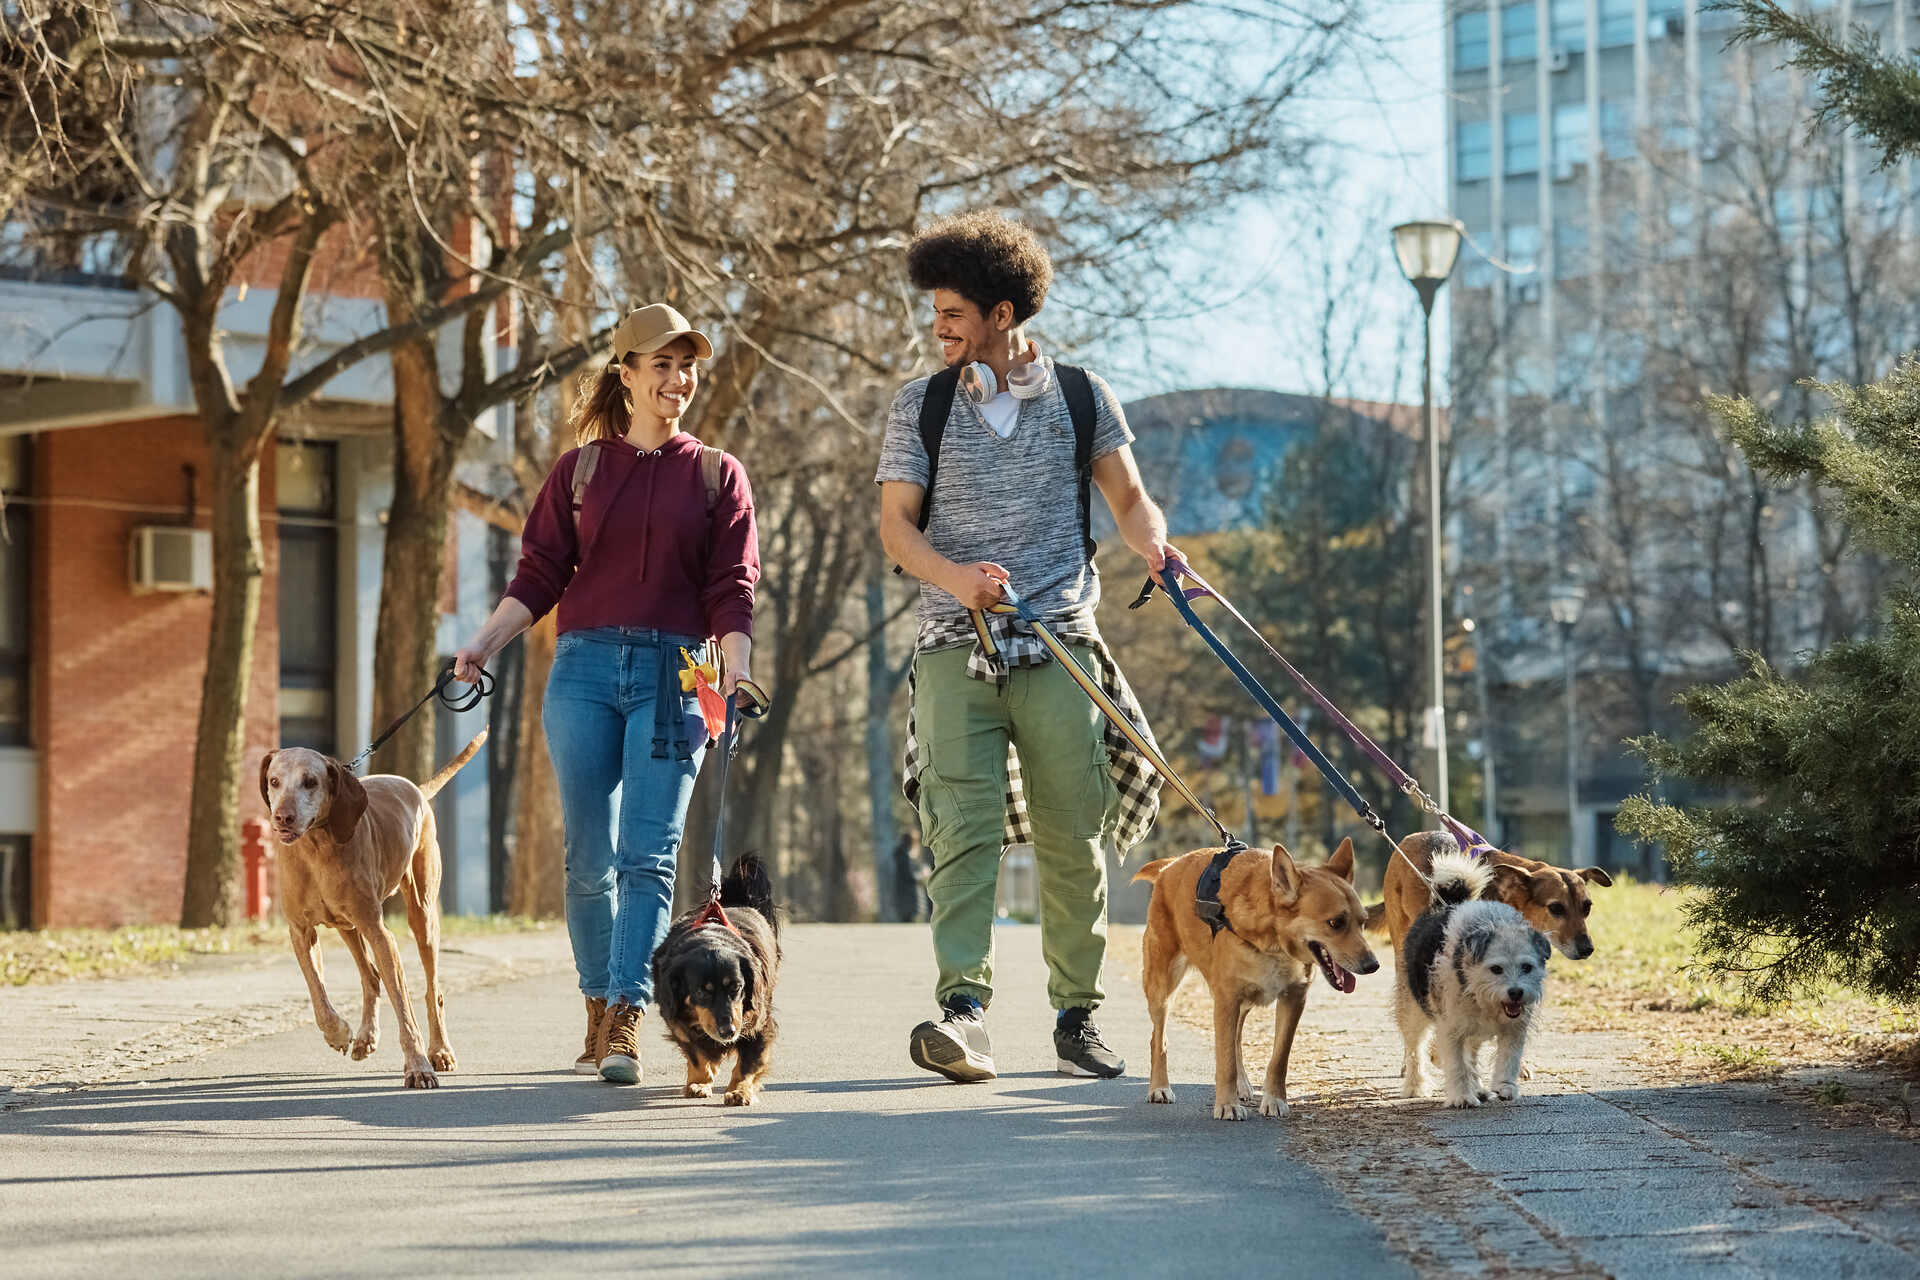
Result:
235,1133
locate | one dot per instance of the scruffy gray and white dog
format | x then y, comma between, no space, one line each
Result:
1470,972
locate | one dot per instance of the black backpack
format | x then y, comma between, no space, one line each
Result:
1074,385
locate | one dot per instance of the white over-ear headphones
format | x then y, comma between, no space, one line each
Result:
1025,381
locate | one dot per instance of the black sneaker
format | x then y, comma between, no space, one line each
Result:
1077,1043
956,1046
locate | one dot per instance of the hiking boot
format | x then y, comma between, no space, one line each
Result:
588,1063
620,1062
956,1046
1077,1043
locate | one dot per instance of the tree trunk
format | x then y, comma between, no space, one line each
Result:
880,763
213,832
539,838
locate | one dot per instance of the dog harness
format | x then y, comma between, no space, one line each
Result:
1206,892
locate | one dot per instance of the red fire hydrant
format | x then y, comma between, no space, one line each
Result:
255,857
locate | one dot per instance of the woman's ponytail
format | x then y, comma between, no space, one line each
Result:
602,412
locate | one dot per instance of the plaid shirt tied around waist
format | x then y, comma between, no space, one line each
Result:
1133,777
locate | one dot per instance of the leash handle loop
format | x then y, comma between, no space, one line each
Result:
476,693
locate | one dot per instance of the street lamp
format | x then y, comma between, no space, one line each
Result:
1426,251
1565,602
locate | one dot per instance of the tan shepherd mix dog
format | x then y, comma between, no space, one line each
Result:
1282,922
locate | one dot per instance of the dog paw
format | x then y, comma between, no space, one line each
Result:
1272,1106
1230,1111
442,1059
743,1096
1507,1090
1161,1094
1485,1095
698,1091
1459,1100
363,1046
420,1076
1246,1092
1526,1071
338,1035
1413,1085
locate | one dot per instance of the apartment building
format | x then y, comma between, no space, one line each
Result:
1648,222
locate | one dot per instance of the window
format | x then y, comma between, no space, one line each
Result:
1569,137
1567,24
1476,271
14,628
16,890
1616,130
1473,150
1569,250
1519,32
1523,143
309,546
1616,23
1523,246
1470,41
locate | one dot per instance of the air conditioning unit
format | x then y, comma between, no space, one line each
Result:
1558,58
171,558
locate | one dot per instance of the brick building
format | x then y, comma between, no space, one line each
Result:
100,673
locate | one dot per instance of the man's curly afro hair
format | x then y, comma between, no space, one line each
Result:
985,258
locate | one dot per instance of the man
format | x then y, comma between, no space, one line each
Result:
1006,487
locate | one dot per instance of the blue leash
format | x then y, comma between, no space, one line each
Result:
1177,594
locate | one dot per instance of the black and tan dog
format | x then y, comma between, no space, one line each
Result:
713,977
1268,924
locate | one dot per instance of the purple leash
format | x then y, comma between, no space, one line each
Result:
1470,840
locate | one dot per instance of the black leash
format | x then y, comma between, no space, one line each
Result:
477,692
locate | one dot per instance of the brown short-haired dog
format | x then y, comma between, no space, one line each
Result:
349,844
1279,921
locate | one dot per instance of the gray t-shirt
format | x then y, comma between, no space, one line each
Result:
1010,501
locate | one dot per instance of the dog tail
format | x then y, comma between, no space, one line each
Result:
747,884
1151,872
1375,921
1456,878
432,786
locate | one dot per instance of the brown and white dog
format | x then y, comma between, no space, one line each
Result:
1552,899
1280,922
347,845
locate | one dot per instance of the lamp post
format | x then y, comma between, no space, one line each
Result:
1565,602
1426,251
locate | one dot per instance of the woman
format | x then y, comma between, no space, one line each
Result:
653,553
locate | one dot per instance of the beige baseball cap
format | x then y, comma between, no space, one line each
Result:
651,328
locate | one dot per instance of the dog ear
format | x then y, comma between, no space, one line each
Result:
349,802
1286,876
266,767
1341,863
1510,884
1596,875
1540,945
1476,941
676,994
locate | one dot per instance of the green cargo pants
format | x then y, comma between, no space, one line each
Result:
963,726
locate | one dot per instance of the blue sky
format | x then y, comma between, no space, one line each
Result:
1384,120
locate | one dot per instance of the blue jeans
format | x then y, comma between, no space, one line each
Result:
626,745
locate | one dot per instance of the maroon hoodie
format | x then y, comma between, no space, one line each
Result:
646,554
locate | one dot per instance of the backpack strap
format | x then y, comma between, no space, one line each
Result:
1077,387
711,460
584,466
934,411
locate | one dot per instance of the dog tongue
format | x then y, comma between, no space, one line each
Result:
1346,979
